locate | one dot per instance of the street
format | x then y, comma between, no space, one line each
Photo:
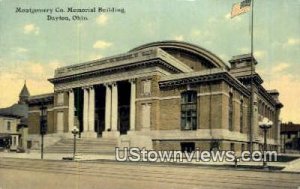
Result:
25,173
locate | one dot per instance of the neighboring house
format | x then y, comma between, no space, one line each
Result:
9,135
13,123
290,137
165,95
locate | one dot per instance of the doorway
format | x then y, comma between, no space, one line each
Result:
123,106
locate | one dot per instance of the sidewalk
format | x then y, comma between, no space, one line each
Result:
53,156
293,166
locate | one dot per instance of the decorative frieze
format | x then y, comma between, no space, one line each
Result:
147,57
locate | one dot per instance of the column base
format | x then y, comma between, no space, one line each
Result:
110,134
131,132
89,134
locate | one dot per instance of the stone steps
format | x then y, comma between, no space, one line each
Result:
84,146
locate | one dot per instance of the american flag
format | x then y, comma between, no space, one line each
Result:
240,8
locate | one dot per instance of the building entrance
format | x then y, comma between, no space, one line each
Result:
123,106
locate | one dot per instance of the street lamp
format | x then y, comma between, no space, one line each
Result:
75,131
265,124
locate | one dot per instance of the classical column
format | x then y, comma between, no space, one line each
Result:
132,104
107,107
71,110
91,124
85,109
114,107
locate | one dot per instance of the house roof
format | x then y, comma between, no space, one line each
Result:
290,127
24,92
16,110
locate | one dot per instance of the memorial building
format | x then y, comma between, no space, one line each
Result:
166,95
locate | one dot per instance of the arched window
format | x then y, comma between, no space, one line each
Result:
189,110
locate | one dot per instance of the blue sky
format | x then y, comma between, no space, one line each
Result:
32,47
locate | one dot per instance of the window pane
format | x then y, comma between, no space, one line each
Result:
194,114
194,123
189,110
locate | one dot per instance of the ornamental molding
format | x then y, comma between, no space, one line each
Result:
204,77
109,79
120,63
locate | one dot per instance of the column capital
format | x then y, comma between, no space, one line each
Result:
70,90
114,83
61,91
132,81
85,87
88,87
108,84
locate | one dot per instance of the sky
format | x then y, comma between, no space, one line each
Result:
32,47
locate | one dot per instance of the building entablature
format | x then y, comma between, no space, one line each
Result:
43,99
145,57
246,79
210,75
105,79
263,92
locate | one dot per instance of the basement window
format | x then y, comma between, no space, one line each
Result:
187,147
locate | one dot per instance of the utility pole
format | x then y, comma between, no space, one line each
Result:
43,127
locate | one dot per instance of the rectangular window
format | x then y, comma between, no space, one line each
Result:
241,116
232,146
8,125
187,146
189,110
243,147
14,141
230,112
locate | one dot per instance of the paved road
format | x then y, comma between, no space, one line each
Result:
31,174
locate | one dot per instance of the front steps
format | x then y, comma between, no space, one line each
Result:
99,146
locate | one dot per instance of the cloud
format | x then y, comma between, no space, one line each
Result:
21,50
227,16
235,19
12,78
292,41
179,38
102,19
31,29
259,54
101,44
280,67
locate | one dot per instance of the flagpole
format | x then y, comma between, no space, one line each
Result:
252,81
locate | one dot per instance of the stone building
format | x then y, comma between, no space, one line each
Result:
164,95
290,137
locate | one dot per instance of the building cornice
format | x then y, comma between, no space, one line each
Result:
146,57
203,77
